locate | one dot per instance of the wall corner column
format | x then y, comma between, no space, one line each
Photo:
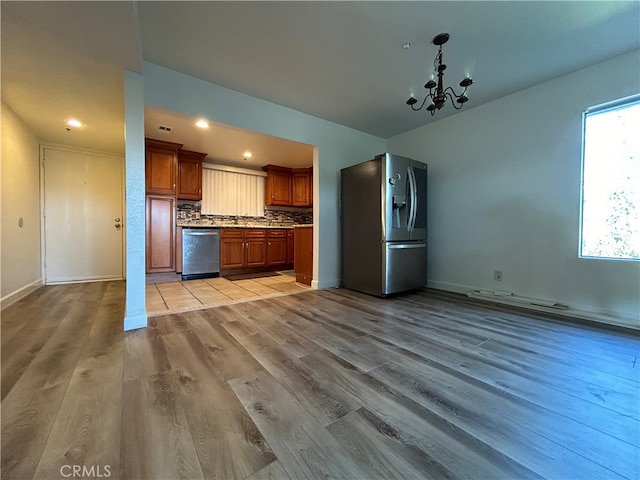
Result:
135,304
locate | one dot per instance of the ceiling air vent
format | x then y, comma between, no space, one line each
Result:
164,128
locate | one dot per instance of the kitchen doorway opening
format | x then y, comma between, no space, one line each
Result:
229,148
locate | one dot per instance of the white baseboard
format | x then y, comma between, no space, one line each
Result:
108,278
13,297
585,312
450,287
335,283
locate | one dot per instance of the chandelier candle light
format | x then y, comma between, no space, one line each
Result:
439,96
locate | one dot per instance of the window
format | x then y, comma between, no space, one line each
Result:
610,226
232,191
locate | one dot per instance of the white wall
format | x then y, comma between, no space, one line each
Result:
20,183
505,193
338,146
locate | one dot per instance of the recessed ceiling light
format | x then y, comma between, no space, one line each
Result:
247,155
202,124
73,122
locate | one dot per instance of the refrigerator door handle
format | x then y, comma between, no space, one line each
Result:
410,199
407,245
414,199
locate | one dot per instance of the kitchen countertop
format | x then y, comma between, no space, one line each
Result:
231,225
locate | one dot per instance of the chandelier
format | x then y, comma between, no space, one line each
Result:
437,94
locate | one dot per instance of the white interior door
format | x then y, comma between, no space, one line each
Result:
83,207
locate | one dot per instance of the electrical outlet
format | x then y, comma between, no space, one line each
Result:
497,275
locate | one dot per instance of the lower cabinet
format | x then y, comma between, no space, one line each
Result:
276,247
243,247
256,241
255,247
303,262
178,249
290,246
232,252
161,230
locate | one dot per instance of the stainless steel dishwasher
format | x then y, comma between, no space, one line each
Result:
200,253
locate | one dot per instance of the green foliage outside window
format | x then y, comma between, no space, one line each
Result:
611,181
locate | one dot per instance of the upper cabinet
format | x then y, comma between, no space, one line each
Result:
288,187
278,187
169,170
161,163
302,186
190,175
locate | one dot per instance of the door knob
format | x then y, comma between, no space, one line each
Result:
117,225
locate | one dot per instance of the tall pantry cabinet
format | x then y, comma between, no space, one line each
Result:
161,166
171,174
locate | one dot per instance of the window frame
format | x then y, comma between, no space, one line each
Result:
596,109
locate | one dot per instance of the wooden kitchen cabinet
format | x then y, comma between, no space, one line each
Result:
161,230
303,263
161,164
302,187
290,246
232,250
178,249
288,187
255,247
276,247
278,186
190,175
256,239
243,247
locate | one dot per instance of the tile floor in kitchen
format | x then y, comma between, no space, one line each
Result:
180,296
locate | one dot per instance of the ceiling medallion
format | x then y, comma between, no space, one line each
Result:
439,96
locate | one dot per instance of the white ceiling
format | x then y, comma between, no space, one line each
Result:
225,144
342,61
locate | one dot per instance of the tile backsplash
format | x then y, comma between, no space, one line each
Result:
190,212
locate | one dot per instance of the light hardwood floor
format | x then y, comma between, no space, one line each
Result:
322,384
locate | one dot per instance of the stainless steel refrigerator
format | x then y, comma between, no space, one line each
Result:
384,225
